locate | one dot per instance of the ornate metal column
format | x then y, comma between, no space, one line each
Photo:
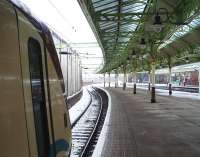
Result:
116,78
104,80
153,90
134,81
170,84
124,81
109,79
149,83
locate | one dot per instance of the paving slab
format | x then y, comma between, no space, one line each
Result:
138,128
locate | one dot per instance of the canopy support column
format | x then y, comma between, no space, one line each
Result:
153,90
149,82
199,78
109,79
170,85
134,81
124,81
116,79
169,60
104,80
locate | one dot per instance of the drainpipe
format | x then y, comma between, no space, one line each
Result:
153,90
67,76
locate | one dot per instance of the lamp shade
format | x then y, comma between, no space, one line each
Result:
142,43
157,24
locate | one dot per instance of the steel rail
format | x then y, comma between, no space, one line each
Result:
86,134
86,148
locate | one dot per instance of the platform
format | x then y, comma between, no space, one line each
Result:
138,128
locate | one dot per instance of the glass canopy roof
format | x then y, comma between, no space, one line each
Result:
116,21
121,25
182,30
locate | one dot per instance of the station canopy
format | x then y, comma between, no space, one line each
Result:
136,33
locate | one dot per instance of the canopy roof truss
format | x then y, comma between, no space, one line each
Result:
119,25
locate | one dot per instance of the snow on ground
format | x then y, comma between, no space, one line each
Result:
80,106
102,138
179,94
162,92
174,93
76,110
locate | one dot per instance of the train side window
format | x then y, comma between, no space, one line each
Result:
38,97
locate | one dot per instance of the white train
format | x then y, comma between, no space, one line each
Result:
34,118
70,64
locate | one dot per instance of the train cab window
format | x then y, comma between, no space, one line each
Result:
38,97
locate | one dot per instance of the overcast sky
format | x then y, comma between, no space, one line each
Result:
67,19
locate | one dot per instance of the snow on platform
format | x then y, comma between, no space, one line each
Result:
158,91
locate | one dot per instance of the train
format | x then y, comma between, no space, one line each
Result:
70,62
35,79
184,75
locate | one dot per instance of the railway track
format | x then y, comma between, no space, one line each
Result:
87,129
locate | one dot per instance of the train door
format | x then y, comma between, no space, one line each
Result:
35,89
38,97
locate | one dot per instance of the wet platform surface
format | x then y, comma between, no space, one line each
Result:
138,128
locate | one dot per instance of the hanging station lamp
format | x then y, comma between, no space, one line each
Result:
157,24
128,60
187,59
142,43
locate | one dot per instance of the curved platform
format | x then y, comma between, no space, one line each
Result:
138,128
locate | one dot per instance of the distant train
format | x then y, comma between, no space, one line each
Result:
184,75
34,118
187,75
